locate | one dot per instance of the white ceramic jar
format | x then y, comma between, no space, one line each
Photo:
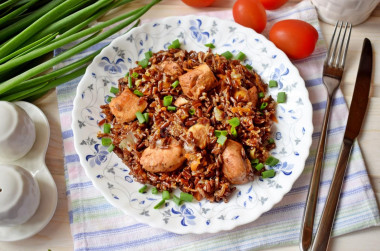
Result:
353,11
18,132
19,195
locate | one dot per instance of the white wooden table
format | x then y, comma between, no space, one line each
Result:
57,236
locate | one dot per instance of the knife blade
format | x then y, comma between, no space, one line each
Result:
354,122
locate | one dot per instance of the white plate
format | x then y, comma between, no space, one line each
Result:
34,162
111,176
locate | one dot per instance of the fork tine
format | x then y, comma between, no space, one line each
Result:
346,49
336,44
331,43
338,58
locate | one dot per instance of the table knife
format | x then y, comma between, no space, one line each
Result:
355,119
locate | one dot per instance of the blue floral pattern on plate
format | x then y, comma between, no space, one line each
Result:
292,133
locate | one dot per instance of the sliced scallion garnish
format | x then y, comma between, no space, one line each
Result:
263,105
261,95
176,200
268,174
154,190
186,197
143,189
218,133
135,75
172,108
140,117
148,54
144,63
106,128
106,141
159,204
241,56
168,100
272,83
271,161
175,84
165,195
234,122
138,93
210,45
259,166
114,90
227,54
110,148
248,67
221,139
191,111
175,44
281,97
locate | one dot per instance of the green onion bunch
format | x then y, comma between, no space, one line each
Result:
31,29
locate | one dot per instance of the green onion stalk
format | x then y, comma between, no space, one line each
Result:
30,30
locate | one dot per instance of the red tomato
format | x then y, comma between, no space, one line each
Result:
273,4
198,3
294,37
250,13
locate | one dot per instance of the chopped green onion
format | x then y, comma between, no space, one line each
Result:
261,95
127,75
221,140
111,147
281,97
154,190
135,75
248,67
234,122
143,189
271,161
130,84
175,84
114,90
240,56
172,108
175,44
268,174
263,105
144,63
165,195
255,161
227,54
159,204
106,141
219,133
109,98
148,54
106,128
168,100
233,131
210,45
273,83
191,111
146,117
259,166
140,117
177,200
270,141
138,93
186,197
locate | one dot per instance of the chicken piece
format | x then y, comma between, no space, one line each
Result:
167,159
236,168
198,80
180,101
241,94
200,133
171,68
252,95
125,106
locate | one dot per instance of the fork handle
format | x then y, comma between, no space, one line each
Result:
322,236
312,196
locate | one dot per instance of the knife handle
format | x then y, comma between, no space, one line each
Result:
322,236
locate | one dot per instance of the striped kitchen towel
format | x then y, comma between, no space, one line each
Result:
96,225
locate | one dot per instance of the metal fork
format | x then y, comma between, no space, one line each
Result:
332,75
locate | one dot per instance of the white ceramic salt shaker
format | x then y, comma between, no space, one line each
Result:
19,195
353,11
17,132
